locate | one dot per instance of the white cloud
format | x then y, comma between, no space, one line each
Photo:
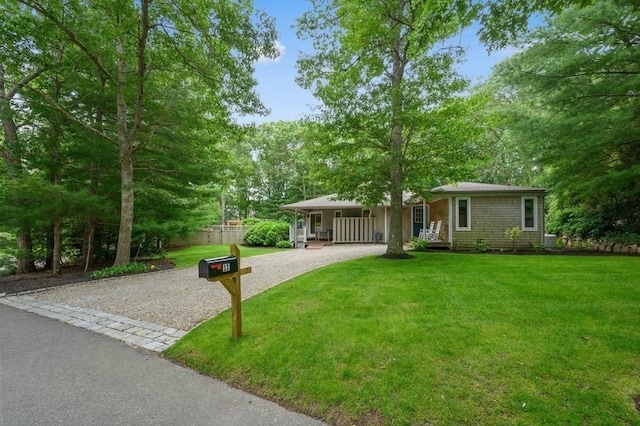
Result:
279,48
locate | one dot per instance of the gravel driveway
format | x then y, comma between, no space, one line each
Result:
178,298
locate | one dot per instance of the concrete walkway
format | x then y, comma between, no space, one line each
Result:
142,334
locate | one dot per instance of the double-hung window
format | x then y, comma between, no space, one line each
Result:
463,214
529,213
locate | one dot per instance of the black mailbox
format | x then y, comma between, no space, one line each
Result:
216,266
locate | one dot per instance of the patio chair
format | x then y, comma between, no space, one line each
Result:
424,233
433,235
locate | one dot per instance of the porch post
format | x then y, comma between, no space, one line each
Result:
450,200
424,216
386,226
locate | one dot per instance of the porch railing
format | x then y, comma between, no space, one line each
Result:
353,230
298,236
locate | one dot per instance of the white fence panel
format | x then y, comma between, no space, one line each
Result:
353,230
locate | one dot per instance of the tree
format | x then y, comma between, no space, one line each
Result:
148,52
388,91
576,83
22,61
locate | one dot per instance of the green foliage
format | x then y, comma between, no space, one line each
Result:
574,106
513,235
112,271
392,115
249,221
7,254
283,244
267,233
480,245
417,244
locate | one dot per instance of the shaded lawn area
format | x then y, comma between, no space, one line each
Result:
444,338
190,256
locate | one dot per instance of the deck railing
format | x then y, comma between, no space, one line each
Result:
298,236
353,230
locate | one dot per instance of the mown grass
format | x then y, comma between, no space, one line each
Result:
190,256
443,338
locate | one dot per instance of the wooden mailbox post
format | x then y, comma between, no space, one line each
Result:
227,271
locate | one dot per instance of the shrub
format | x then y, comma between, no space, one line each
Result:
480,245
283,244
131,268
417,244
267,233
513,235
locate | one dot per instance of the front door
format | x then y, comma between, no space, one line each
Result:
315,221
418,220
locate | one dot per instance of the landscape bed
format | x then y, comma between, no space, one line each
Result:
444,338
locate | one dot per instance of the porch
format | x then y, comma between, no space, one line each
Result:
344,230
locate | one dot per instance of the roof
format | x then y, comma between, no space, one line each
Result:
331,201
473,187
326,202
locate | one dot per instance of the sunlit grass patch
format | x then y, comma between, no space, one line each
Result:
444,338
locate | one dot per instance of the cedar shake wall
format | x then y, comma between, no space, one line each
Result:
439,210
491,216
407,224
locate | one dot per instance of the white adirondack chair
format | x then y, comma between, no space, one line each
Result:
433,235
424,233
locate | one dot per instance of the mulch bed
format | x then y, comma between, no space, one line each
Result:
13,284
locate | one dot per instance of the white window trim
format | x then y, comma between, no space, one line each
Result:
535,213
457,214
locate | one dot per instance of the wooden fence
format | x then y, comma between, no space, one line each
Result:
353,230
217,234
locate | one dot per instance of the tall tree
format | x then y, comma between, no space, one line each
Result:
388,88
24,57
577,87
143,50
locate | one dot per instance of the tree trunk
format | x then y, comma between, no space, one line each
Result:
25,260
123,252
396,179
57,246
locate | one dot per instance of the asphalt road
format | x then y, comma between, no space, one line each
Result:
56,374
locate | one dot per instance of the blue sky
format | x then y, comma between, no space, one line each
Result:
276,79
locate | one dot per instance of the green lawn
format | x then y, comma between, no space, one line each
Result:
190,256
444,338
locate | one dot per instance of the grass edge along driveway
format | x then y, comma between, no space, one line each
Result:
444,338
190,256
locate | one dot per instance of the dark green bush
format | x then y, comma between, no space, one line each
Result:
113,271
267,233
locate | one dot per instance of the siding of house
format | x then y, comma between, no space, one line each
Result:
491,216
439,210
407,225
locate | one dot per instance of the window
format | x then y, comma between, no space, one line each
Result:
529,214
337,213
463,214
418,214
315,222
